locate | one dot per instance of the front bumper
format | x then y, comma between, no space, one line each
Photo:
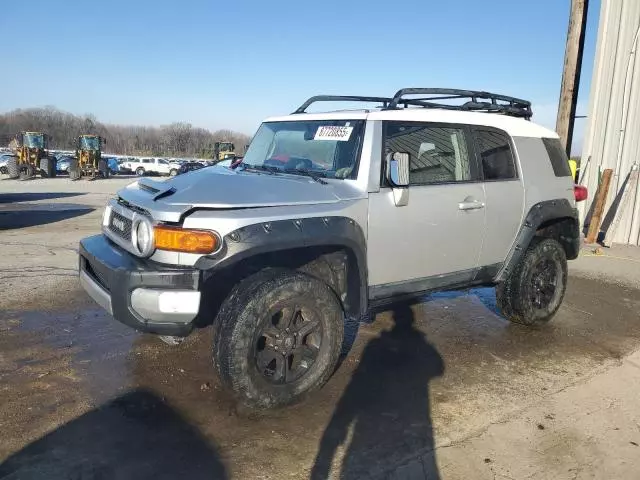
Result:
144,295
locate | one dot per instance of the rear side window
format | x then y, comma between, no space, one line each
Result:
495,152
558,157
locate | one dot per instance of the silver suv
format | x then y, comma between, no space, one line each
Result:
333,215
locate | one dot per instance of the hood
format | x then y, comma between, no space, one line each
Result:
222,188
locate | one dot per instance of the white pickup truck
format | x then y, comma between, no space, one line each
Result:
156,166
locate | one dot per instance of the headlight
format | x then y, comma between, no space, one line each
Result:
142,237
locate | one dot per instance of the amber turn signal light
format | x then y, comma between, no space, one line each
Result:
178,239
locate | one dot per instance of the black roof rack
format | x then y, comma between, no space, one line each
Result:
342,98
477,101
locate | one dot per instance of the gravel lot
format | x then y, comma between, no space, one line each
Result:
463,394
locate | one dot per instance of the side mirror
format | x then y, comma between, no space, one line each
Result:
398,169
398,176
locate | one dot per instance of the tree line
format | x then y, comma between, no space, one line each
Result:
174,140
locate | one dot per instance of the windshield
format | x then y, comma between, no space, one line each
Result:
34,140
327,148
226,147
90,143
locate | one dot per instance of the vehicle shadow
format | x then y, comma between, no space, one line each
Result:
385,409
15,219
135,436
34,196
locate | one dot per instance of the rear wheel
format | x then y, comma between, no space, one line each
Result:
47,168
74,170
534,291
27,172
12,168
140,171
173,172
278,336
103,168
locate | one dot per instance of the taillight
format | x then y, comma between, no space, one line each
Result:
580,192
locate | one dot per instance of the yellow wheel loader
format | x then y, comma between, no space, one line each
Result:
223,150
32,157
88,161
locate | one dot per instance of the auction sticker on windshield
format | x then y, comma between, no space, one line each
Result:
327,132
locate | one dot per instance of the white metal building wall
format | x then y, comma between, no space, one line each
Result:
612,137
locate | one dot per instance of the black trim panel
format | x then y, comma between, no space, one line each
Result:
420,285
384,294
540,213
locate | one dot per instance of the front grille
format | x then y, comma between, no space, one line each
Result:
120,225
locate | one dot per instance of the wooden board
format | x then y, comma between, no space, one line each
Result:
601,200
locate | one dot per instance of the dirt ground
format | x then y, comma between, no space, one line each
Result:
441,389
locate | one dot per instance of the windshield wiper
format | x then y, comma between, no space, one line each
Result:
262,168
316,175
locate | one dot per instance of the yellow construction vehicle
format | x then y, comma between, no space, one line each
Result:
223,150
32,157
88,161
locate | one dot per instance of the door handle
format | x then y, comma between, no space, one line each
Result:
470,205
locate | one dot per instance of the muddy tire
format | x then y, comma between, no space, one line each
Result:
47,168
74,170
12,168
103,169
534,291
278,336
140,172
27,172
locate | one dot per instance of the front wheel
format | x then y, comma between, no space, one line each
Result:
278,336
173,172
140,172
103,169
74,170
534,291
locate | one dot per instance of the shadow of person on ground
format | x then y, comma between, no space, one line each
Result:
10,220
385,406
136,436
34,196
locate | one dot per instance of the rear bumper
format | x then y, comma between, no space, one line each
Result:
141,294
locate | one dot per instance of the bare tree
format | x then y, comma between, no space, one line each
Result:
63,128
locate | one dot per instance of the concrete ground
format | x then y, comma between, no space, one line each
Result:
459,394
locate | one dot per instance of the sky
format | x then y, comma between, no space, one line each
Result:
230,64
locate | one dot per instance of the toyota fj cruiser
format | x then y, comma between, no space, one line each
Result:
331,215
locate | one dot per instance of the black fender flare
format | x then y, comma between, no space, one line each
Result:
539,214
282,235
